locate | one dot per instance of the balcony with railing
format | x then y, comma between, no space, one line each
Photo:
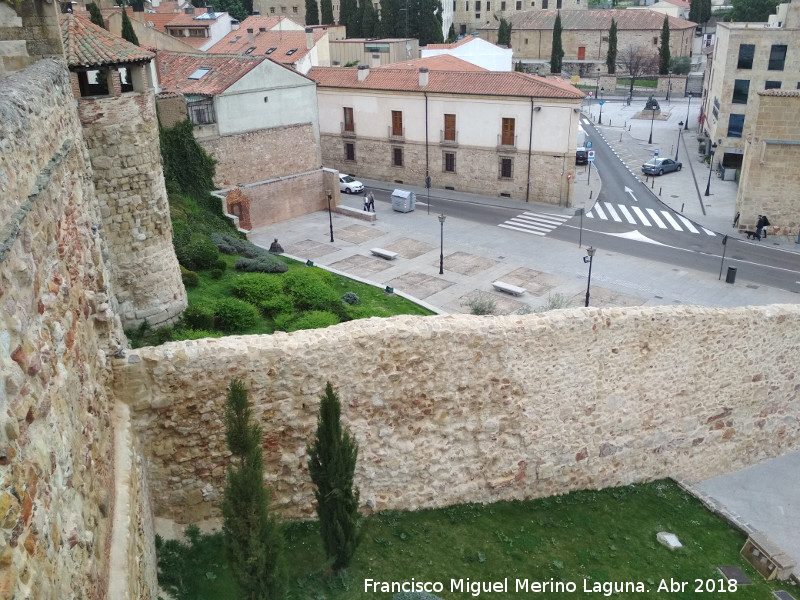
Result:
506,143
393,134
448,138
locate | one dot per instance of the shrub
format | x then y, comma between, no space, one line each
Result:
198,317
266,263
313,319
194,334
180,233
232,315
351,299
257,287
199,253
221,264
216,273
190,278
554,302
283,320
359,312
309,290
230,244
221,242
482,304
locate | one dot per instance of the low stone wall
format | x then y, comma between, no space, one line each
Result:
460,408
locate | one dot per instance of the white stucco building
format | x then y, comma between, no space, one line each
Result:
475,50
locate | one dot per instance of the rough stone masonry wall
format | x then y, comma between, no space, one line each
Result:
460,408
122,135
57,324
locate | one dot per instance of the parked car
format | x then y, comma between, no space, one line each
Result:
659,166
349,184
581,156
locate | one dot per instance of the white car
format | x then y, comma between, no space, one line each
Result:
349,184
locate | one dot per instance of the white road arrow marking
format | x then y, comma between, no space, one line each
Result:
630,191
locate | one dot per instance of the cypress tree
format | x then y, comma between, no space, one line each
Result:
326,12
312,12
504,33
349,17
332,463
127,29
428,22
370,24
663,49
611,55
390,19
96,16
557,52
253,540
451,34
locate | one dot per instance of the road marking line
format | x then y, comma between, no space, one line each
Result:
640,214
688,224
546,217
656,218
528,225
612,212
542,233
708,232
624,210
672,221
599,210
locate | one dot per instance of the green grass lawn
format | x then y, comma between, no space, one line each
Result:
587,538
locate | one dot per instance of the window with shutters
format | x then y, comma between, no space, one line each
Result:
397,123
507,137
450,128
349,124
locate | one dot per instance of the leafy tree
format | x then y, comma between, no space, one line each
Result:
370,23
611,55
234,8
663,49
637,62
519,67
504,33
680,65
137,5
557,52
332,463
96,15
326,12
451,34
350,18
253,540
700,11
753,10
186,164
425,21
127,29
312,12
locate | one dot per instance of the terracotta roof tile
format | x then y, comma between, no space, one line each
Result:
441,62
174,69
283,42
493,83
594,19
184,20
269,22
86,44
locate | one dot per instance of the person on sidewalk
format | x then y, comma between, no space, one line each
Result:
760,224
371,202
366,203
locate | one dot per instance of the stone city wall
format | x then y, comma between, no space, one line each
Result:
459,408
122,135
57,325
263,154
477,170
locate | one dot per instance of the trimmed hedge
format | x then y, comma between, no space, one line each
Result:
351,299
199,253
232,315
190,278
198,317
313,319
263,264
264,291
309,289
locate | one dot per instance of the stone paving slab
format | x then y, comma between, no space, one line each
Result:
358,234
464,263
410,248
362,266
419,285
310,249
536,283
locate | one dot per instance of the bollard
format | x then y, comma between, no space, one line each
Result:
653,183
609,122
590,197
659,190
682,207
629,127
620,137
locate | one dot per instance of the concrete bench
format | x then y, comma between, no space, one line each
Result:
356,213
387,254
502,286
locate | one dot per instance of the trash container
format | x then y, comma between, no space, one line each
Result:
731,276
403,200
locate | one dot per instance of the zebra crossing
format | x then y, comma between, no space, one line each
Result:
647,217
535,223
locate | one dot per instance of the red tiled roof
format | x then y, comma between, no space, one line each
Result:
255,22
594,19
461,42
86,44
282,41
159,20
483,83
680,3
194,42
174,69
167,7
184,20
441,62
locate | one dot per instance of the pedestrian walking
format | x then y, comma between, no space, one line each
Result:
366,203
760,226
372,201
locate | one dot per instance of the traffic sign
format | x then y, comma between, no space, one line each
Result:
591,155
655,153
601,102
588,144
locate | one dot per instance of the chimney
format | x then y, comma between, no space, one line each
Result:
250,37
363,73
262,30
210,11
423,77
256,13
234,25
309,38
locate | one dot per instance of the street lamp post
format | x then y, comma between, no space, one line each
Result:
678,147
686,125
652,117
601,102
669,85
330,215
597,85
588,259
710,168
441,250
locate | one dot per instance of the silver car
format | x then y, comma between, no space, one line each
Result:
659,166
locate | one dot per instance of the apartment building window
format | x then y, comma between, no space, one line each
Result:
519,4
397,157
772,85
655,41
467,9
477,5
502,6
558,4
272,9
397,123
507,137
741,88
454,5
349,151
449,162
506,170
777,57
746,53
294,9
349,124
450,128
545,4
735,126
488,6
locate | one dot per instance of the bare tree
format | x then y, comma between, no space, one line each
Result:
637,61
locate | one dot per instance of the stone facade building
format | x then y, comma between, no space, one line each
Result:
585,37
401,125
471,15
